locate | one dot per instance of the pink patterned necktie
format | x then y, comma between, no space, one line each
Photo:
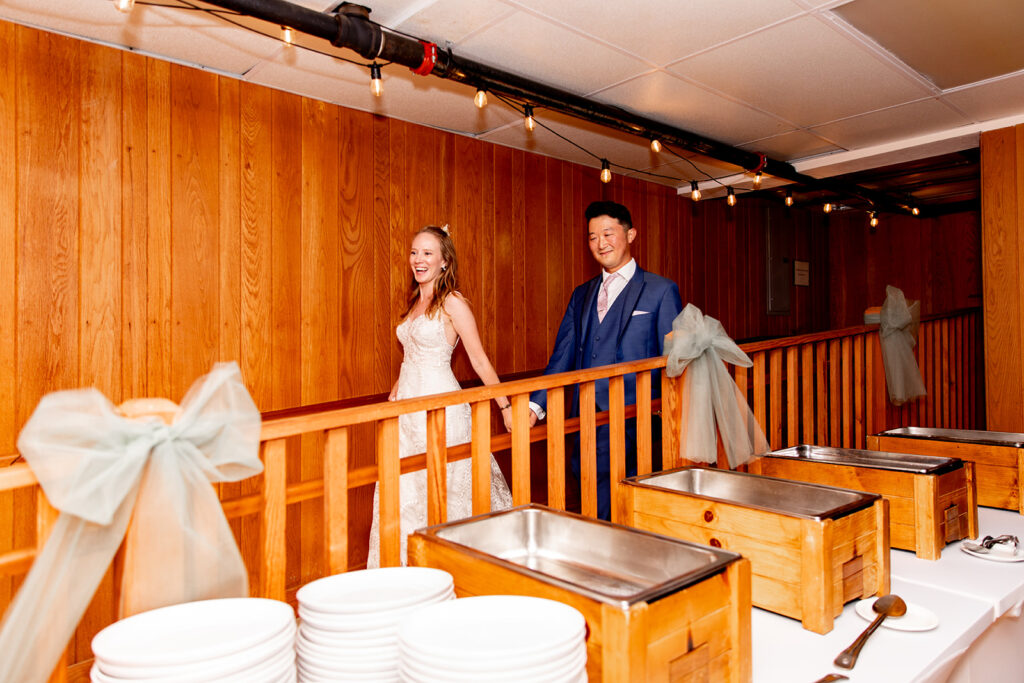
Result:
602,297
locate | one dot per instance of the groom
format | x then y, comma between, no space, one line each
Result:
621,315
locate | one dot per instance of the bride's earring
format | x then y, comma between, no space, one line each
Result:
444,268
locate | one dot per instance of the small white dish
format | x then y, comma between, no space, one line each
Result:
999,552
917,618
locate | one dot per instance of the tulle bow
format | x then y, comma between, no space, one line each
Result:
898,323
102,471
699,344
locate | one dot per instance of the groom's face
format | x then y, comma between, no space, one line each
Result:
609,242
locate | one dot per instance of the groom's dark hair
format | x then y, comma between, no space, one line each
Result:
610,209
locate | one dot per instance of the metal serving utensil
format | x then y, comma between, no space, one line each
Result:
885,606
986,543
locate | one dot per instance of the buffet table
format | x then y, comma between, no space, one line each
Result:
978,636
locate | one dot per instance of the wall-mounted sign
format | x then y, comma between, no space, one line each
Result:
802,273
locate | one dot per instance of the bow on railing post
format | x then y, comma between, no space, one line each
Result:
700,346
105,472
897,324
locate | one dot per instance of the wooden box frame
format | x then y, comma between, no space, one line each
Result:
698,633
803,568
998,469
918,503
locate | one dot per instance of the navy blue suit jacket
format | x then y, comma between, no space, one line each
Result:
651,303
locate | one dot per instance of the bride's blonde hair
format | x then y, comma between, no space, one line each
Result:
447,282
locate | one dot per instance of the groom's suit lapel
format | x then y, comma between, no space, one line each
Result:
630,296
584,315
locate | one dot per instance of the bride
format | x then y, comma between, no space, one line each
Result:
437,317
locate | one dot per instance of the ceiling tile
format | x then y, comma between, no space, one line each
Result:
427,101
680,33
803,73
916,118
934,42
792,145
992,100
664,97
525,45
453,19
177,34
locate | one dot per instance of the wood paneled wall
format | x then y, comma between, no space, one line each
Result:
1002,187
934,260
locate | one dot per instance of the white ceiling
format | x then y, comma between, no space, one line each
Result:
788,78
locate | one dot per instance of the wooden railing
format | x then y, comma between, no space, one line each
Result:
825,388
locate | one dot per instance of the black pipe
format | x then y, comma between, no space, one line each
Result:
351,28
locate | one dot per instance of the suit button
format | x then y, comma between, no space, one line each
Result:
597,339
594,356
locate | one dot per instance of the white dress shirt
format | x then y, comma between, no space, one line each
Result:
615,288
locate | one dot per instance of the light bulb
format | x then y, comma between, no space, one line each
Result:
606,171
757,180
789,199
287,35
480,99
124,5
730,197
376,85
655,145
916,211
528,120
828,207
694,191
874,220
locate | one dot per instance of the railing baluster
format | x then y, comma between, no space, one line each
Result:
643,423
671,420
273,513
521,450
480,454
556,448
760,404
775,400
847,363
858,391
616,442
792,396
807,384
336,467
820,357
437,469
835,390
388,473
588,451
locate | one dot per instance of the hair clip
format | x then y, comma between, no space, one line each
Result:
445,229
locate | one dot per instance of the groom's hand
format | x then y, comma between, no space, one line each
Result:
533,418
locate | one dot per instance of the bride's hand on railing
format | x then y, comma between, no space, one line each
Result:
506,416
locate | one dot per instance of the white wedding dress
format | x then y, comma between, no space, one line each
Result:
426,369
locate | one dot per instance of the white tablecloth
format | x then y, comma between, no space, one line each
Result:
980,635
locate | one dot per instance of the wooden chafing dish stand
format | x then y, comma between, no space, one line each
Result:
657,608
811,548
998,458
932,500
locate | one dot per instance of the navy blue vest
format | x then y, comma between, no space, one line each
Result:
600,347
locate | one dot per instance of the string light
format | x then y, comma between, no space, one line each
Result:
287,35
528,118
694,191
757,180
828,207
606,171
124,5
789,198
730,197
480,99
916,211
655,145
376,86
874,219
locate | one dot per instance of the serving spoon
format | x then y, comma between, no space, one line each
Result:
885,606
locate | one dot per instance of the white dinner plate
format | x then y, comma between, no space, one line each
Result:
489,626
917,618
995,555
373,590
192,632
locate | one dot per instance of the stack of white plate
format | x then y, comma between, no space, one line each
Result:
349,622
494,638
238,640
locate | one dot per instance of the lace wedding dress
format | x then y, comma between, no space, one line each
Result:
426,369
